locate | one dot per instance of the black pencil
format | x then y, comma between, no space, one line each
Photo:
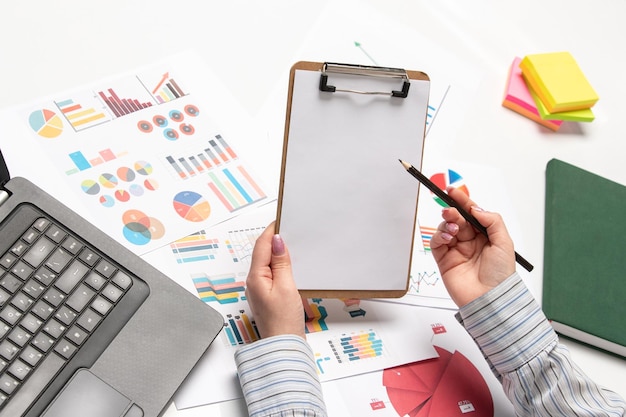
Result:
450,201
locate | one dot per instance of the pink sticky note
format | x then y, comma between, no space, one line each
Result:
518,98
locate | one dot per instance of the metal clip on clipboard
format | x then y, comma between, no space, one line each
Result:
399,73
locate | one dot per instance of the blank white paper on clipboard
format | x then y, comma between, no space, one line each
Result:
347,208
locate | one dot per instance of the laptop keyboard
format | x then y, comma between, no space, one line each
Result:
55,291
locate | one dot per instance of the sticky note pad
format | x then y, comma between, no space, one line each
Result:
584,115
558,81
518,98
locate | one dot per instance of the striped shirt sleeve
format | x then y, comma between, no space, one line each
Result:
279,379
523,351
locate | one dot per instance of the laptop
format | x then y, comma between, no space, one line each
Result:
87,328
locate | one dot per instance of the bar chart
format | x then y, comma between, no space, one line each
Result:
195,248
223,288
82,162
121,106
213,153
235,188
239,329
356,346
315,316
167,89
427,234
84,110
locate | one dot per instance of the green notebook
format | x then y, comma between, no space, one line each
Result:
584,277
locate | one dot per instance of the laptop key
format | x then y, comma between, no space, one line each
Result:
72,276
77,335
22,301
7,260
95,280
54,297
42,310
8,350
101,305
105,268
88,256
112,292
65,348
80,298
122,280
39,251
10,314
31,356
41,224
89,320
10,283
33,289
65,315
30,236
54,328
59,260
55,233
31,323
19,370
19,336
43,342
8,383
45,276
72,245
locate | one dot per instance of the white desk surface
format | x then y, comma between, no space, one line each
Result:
48,46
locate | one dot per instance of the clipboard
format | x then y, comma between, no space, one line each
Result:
346,206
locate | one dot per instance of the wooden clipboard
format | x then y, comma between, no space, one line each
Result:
347,207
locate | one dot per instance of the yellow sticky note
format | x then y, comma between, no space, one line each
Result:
558,81
582,115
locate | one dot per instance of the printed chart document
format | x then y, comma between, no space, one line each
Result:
149,156
348,336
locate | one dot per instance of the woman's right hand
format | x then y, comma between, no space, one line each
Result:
470,263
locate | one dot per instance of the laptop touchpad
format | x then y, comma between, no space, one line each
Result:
88,395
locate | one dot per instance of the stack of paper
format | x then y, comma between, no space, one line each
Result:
519,98
550,88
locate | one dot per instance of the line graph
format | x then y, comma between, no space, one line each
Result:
424,279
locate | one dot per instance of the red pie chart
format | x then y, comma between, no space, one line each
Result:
449,177
449,385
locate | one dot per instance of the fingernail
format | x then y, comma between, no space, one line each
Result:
278,245
446,236
477,208
452,227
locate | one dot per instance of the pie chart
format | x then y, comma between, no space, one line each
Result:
444,179
191,206
448,386
46,123
108,180
143,167
90,187
125,174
